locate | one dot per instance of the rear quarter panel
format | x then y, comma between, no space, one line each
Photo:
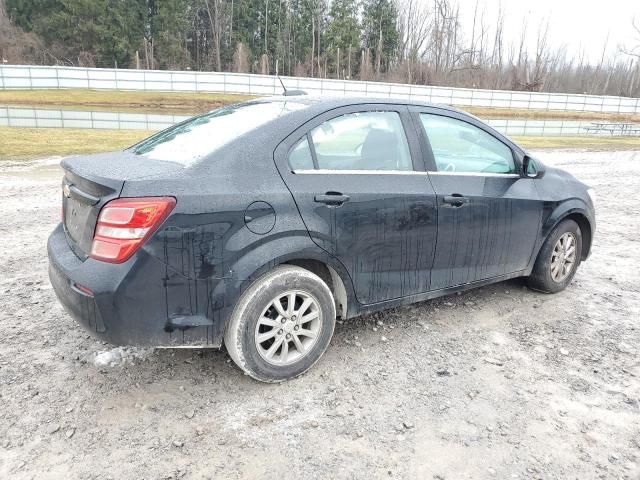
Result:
234,220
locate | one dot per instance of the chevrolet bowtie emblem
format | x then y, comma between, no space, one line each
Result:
66,190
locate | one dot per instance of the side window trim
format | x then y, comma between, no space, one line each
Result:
292,148
429,157
411,137
371,110
312,148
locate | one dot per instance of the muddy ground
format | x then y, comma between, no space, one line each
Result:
500,382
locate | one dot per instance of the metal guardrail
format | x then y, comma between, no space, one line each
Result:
49,118
46,118
38,77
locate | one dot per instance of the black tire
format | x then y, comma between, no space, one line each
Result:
541,277
241,334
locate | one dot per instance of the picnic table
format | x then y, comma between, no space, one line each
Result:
619,128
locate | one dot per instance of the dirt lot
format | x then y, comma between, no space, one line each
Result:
500,382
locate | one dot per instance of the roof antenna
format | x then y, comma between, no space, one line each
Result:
290,93
283,87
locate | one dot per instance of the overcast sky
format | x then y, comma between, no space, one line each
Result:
574,23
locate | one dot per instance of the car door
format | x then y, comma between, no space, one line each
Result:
488,213
359,183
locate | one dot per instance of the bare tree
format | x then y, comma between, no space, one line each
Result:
539,69
434,47
414,26
216,23
634,49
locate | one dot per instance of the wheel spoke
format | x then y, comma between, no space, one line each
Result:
298,343
307,318
263,337
269,322
292,304
277,303
284,353
304,307
272,350
307,333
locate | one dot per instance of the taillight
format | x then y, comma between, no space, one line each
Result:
125,223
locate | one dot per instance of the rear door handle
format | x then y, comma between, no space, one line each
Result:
332,199
455,200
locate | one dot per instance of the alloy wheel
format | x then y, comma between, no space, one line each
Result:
563,257
288,328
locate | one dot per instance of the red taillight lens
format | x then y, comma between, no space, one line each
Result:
125,223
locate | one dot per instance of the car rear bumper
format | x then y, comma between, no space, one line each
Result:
140,302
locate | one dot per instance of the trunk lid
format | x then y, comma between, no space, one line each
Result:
90,182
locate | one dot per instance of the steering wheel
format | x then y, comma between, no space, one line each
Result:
450,167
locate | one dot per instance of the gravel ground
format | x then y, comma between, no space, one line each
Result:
500,382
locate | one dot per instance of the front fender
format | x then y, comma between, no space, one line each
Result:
556,212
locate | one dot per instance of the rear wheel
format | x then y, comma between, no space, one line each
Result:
558,259
282,324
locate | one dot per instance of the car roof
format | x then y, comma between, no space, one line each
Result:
314,105
328,102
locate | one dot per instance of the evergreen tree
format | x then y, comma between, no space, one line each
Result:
168,29
343,36
24,12
380,31
301,37
109,30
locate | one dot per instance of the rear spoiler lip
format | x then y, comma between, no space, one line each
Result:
79,176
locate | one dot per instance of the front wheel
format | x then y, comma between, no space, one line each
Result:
558,259
281,325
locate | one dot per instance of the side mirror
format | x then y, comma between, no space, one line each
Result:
531,168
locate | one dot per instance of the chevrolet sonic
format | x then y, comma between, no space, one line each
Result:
258,224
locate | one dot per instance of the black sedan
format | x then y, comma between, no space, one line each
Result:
258,224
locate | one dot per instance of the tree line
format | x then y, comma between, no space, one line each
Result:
406,41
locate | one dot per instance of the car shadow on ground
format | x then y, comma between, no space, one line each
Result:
369,334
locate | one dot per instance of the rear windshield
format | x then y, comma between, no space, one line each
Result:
199,136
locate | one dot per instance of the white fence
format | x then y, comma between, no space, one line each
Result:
49,118
32,77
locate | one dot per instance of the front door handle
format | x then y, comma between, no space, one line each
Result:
332,199
455,200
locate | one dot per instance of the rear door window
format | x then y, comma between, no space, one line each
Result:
362,141
300,156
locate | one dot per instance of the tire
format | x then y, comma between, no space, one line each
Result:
545,277
256,313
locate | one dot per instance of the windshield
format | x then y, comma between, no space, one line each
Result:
187,142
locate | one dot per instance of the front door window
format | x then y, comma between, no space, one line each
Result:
459,147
